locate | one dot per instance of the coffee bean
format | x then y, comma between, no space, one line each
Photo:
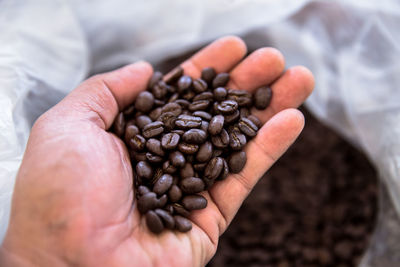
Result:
154,222
119,125
130,132
243,98
205,152
224,172
188,122
137,143
221,140
208,75
204,96
169,208
168,167
174,193
188,149
255,120
159,90
170,141
153,158
166,217
262,97
204,127
155,78
174,108
247,127
213,168
129,110
153,129
155,113
154,146
199,105
138,156
174,97
188,95
168,118
174,75
194,136
143,190
178,132
182,224
144,101
142,121
162,201
158,172
237,140
144,170
227,107
194,202
192,185
146,202
187,170
202,114
236,161
199,86
244,112
163,184
182,102
232,118
216,124
220,80
158,103
220,94
184,83
179,209
217,153
199,166
177,159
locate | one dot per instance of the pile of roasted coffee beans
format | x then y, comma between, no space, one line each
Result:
183,134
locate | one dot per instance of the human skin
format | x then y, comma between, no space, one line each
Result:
73,203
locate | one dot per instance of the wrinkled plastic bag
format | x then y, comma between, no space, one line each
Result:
49,46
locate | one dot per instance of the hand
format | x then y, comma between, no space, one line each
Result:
73,201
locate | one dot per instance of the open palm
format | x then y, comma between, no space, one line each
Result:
73,202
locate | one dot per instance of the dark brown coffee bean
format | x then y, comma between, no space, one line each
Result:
154,146
208,183
236,161
163,184
192,185
220,94
237,140
187,170
168,118
162,201
205,152
232,118
174,108
130,132
189,95
199,86
204,96
202,114
166,217
255,120
154,222
144,170
194,202
182,224
217,153
177,159
155,113
194,136
170,141
199,105
159,90
188,122
208,75
247,127
178,132
138,156
220,80
143,190
142,121
158,103
224,172
129,110
216,125
119,125
262,97
179,209
204,126
174,75
182,102
168,167
155,78
144,101
147,201
244,112
221,140
174,193
169,208
153,129
153,158
158,172
227,107
199,166
188,149
184,83
137,143
242,97
173,98
213,168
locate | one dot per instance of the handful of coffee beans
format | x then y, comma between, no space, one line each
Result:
183,134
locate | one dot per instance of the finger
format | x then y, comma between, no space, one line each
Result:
100,98
261,67
222,55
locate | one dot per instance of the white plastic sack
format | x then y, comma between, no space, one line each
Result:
49,46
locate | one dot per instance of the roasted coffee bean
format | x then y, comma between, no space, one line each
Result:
208,75
147,201
173,98
144,101
236,161
232,118
169,208
199,86
155,78
243,98
162,201
188,149
244,112
178,132
179,209
137,143
217,153
191,185
138,156
213,168
153,158
142,121
153,129
163,184
182,102
144,170
214,108
168,118
220,80
199,166
199,105
187,170
208,182
174,75
174,108
220,93
143,190
159,90
158,172
204,96
247,127
119,125
154,222
154,146
262,97
170,141
182,224
194,202
224,172
216,125
188,95
177,159
255,120
202,114
174,193
166,217
155,113
188,122
168,167
129,110
227,107
130,132
184,83
194,136
158,103
237,140
204,126
221,140
205,152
